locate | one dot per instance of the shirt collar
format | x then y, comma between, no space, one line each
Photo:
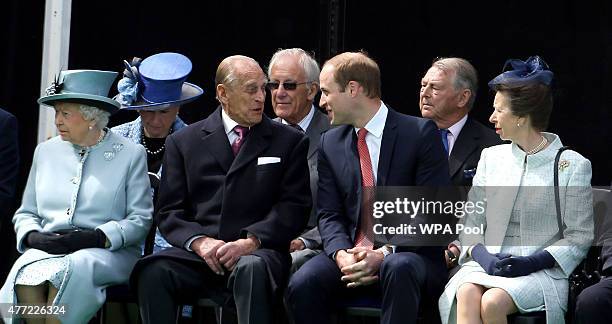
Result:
376,125
305,122
228,123
458,126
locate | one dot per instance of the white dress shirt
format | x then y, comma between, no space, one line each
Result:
453,133
305,122
373,139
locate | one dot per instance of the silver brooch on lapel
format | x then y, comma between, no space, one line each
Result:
109,155
563,164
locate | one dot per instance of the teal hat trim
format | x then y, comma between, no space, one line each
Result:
88,87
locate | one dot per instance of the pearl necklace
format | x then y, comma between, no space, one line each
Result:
144,143
539,147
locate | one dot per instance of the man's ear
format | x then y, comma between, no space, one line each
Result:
464,97
222,93
313,89
353,87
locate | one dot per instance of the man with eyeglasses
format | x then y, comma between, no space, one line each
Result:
294,83
231,198
372,146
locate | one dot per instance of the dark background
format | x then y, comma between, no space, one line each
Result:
574,37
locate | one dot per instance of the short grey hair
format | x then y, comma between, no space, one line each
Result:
466,76
96,114
226,71
305,59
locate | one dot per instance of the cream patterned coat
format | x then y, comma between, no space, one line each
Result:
507,166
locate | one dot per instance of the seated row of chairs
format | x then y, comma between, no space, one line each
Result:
587,273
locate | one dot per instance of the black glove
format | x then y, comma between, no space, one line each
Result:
487,260
522,266
83,239
48,242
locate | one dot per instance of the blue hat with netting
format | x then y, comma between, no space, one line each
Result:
519,73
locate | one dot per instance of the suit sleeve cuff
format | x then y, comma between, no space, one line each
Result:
335,253
113,232
23,231
188,244
249,235
307,243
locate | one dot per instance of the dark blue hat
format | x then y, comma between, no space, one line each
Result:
157,82
533,70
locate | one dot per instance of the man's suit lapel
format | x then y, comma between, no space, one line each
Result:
214,139
352,170
466,143
319,124
255,144
386,148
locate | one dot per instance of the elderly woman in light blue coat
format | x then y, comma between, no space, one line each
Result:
522,261
86,207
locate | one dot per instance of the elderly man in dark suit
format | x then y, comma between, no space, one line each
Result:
9,168
294,83
448,92
232,196
375,146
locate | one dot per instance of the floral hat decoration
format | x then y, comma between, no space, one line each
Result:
156,82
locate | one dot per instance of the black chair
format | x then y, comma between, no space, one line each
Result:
121,293
361,307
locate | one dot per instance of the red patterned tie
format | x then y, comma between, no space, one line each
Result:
364,238
241,131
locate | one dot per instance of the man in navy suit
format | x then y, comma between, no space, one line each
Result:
9,168
375,146
232,196
448,92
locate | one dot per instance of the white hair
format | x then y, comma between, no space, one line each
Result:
305,59
96,114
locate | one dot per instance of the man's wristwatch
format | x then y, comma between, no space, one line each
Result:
452,257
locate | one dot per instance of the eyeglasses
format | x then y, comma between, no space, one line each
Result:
286,85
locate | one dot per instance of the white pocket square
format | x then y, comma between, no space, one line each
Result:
267,160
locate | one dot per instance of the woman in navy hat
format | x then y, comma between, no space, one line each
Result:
156,88
523,259
86,207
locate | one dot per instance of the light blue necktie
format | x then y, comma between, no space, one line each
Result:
444,135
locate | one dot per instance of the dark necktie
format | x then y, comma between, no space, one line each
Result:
363,237
242,132
444,136
296,126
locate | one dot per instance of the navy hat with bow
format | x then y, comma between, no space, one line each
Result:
157,82
533,70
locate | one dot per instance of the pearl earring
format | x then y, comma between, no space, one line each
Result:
518,125
90,127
